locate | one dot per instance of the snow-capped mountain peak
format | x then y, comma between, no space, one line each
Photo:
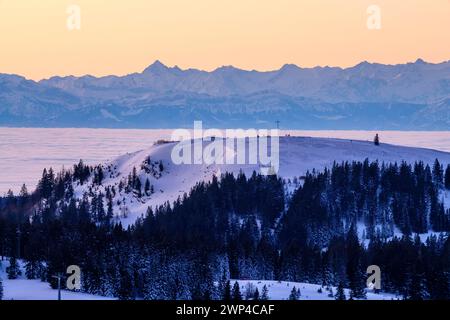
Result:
156,67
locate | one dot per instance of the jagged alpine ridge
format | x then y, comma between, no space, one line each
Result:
412,96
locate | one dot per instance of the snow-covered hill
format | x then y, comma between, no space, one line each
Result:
169,181
297,156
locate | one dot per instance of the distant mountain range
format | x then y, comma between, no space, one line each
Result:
366,96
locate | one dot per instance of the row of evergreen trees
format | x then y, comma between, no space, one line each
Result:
241,228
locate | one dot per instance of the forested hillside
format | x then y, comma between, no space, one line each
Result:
327,231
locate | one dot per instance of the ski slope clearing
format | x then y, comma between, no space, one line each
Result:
297,155
24,289
280,290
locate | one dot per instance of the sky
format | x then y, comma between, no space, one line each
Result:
43,38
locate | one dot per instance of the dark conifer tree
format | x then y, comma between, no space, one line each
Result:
207,294
197,293
33,268
447,177
294,294
23,192
226,295
45,185
138,187
236,292
417,288
256,294
354,272
147,187
340,294
376,140
125,290
100,209
264,293
438,173
1,289
13,270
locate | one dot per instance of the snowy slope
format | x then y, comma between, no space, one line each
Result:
24,289
297,156
280,290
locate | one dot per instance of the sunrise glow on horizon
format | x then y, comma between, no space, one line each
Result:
118,37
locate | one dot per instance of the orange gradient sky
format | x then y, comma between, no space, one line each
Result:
120,37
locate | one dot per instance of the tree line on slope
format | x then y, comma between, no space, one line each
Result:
241,228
